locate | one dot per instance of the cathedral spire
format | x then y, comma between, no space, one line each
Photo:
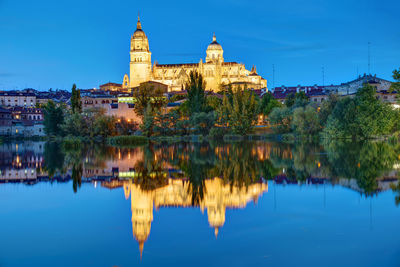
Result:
216,232
141,243
214,38
139,25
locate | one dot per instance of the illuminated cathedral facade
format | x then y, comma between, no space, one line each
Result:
214,69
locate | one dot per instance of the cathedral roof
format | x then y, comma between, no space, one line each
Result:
214,45
139,32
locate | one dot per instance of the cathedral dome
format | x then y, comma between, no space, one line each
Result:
214,52
214,45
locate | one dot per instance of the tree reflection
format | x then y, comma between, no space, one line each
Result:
237,164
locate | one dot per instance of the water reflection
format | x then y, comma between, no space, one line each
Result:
218,197
211,177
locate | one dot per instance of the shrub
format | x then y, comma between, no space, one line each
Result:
217,133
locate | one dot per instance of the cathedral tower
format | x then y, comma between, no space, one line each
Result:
140,65
214,52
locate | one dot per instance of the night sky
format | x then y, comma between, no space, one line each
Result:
53,44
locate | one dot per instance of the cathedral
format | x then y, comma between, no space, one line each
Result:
214,69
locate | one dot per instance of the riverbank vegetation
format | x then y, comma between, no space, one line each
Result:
232,113
359,116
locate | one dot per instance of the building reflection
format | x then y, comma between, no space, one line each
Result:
21,162
218,197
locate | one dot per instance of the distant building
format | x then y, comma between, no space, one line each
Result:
27,114
113,87
97,101
317,94
19,121
15,98
214,69
5,117
352,86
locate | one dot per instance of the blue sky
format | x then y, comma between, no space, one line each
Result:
53,44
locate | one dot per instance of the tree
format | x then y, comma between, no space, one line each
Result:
213,102
341,123
148,95
281,119
306,121
396,85
364,116
75,124
326,108
195,88
267,104
296,99
148,121
105,126
76,104
240,113
202,122
53,118
223,111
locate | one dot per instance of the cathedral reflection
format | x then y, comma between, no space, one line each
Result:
218,196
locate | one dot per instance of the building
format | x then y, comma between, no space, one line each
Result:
20,121
214,69
27,114
15,98
317,94
111,87
5,117
97,101
352,86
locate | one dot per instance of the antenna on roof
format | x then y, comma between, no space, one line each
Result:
369,58
273,76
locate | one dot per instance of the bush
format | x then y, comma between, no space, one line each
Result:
202,122
280,119
217,133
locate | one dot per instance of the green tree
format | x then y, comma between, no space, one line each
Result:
281,119
76,104
396,85
306,121
267,104
148,121
240,113
75,124
364,116
327,107
148,95
341,122
213,102
202,122
53,118
104,126
195,88
296,99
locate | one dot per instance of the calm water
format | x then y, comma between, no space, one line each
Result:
242,204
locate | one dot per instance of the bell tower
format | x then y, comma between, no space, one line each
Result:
140,64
